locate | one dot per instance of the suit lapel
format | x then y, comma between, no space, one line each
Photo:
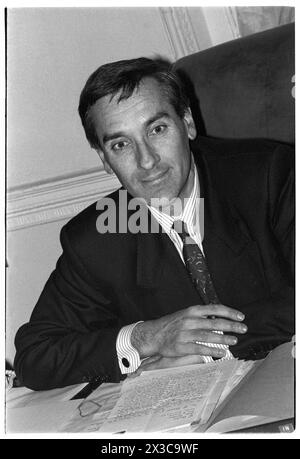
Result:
232,256
150,254
219,221
223,241
154,253
160,266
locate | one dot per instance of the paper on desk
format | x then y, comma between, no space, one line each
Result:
236,422
92,412
46,417
160,400
209,400
243,367
268,393
227,378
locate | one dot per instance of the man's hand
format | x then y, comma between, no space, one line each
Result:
175,335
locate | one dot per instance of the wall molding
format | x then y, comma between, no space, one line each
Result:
179,30
52,200
230,13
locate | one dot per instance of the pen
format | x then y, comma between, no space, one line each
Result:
89,388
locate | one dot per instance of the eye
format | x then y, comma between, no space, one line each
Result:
159,129
119,145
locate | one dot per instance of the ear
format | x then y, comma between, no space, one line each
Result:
106,165
190,124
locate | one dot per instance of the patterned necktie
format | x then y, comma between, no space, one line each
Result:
197,268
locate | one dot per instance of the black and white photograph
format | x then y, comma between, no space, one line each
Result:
149,236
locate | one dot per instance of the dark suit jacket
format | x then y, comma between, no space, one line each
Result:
105,281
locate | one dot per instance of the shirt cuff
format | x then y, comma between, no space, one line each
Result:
128,356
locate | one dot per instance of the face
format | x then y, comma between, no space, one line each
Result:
145,143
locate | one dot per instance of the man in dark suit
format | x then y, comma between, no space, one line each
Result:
124,300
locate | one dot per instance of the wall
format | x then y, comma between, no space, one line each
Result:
51,171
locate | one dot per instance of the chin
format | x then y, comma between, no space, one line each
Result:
163,200
161,197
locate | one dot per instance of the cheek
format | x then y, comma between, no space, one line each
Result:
180,155
176,145
124,169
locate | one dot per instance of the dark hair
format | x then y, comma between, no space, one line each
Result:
125,76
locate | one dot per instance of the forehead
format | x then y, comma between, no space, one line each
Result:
144,103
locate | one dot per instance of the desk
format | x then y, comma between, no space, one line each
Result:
28,411
43,411
53,411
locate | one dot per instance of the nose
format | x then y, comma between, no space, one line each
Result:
147,156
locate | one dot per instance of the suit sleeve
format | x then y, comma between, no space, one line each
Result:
71,335
272,321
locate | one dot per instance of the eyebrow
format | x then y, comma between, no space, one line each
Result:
115,135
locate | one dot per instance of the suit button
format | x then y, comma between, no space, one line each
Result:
125,362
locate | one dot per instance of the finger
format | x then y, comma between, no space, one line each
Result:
201,349
208,337
219,310
151,359
215,324
144,365
224,325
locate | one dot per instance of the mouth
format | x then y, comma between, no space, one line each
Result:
153,179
